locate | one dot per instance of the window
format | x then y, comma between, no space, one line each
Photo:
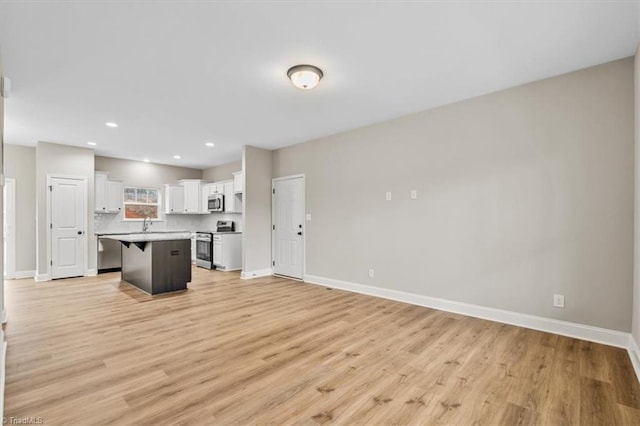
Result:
141,202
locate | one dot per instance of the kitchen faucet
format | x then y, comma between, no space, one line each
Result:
145,224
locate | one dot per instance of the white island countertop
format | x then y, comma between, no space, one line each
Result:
149,236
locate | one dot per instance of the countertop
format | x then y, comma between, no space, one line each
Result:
216,232
149,236
182,231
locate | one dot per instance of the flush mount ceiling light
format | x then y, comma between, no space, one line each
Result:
210,144
92,143
146,160
177,157
305,76
111,124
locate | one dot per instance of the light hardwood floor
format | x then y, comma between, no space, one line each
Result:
273,351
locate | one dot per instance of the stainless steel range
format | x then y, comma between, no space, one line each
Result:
204,243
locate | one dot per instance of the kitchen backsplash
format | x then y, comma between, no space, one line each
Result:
109,223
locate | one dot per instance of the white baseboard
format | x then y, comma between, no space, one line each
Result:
22,274
565,328
256,274
43,277
92,272
634,354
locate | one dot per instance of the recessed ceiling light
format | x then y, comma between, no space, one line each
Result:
111,124
92,143
210,144
177,157
146,160
305,76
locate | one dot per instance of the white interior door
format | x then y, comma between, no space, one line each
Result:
288,227
9,230
68,226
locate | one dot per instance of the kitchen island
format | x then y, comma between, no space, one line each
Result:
156,262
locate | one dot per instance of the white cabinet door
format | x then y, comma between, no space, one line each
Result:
219,188
229,197
100,194
217,253
193,248
192,197
174,199
204,197
114,196
238,182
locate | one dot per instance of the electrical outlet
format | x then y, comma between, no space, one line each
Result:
558,300
371,273
388,195
414,194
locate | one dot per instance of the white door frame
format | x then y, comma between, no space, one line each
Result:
85,246
10,243
304,222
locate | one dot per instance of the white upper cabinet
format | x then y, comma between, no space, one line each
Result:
108,194
114,195
192,195
205,191
173,199
238,182
229,197
100,194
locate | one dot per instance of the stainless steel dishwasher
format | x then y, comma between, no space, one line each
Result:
109,255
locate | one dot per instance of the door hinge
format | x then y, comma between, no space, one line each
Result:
51,262
274,190
274,227
273,263
51,226
50,187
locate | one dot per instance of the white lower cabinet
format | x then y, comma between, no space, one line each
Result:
227,251
193,248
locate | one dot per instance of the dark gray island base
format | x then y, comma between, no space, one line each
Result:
156,263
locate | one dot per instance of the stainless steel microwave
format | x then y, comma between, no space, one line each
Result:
215,203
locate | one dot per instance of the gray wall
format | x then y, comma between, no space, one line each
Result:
256,236
523,193
222,172
64,160
20,164
144,174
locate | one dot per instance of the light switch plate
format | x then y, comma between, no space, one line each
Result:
414,194
388,196
308,216
558,300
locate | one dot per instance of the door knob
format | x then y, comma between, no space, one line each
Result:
80,232
299,233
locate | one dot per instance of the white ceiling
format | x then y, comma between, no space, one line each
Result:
174,74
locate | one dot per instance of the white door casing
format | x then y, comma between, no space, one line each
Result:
9,233
288,226
68,225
